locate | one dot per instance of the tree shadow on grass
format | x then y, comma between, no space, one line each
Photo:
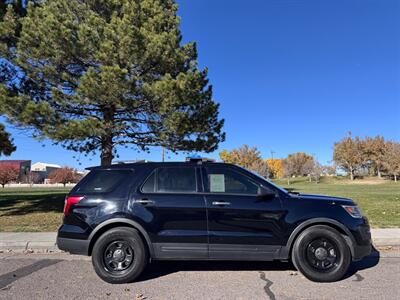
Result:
22,204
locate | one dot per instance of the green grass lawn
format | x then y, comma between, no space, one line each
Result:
40,209
31,209
379,200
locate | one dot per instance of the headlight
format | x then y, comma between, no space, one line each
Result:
353,211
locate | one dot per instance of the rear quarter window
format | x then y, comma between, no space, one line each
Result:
171,180
104,181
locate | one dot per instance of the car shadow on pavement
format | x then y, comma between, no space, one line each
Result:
367,262
163,268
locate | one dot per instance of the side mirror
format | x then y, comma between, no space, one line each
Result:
265,193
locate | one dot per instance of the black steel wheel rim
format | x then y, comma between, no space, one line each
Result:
118,257
322,254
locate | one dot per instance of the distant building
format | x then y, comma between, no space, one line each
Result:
24,167
43,170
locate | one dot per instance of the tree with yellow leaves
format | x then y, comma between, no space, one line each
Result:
246,157
275,167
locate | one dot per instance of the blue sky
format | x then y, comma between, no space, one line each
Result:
290,75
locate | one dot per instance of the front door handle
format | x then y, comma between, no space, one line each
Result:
145,202
221,203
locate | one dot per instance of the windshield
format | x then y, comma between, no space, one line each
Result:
268,181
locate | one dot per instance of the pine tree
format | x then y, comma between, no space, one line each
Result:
6,143
93,75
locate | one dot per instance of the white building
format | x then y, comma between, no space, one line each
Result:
40,166
43,170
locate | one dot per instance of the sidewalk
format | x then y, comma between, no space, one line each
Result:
385,237
28,241
46,241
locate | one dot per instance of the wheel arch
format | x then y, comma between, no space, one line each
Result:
119,222
287,250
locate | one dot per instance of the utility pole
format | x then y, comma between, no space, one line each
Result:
162,154
272,154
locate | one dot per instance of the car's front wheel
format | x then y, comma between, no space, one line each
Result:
119,255
321,254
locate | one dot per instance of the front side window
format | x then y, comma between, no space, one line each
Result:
223,180
171,180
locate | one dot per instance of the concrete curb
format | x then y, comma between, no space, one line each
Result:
46,241
386,236
28,241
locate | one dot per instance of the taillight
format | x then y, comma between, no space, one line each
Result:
69,201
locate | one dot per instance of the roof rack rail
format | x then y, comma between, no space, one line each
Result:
122,162
199,159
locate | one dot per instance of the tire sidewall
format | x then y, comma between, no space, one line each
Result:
132,237
299,255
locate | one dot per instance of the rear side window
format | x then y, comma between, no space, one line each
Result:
150,185
171,180
103,181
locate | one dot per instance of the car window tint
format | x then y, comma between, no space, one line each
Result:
176,180
103,181
221,180
149,186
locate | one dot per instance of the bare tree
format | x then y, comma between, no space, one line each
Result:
299,164
317,171
308,168
329,170
31,178
8,173
64,175
260,167
288,169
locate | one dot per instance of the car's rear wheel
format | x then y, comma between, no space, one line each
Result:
321,254
119,255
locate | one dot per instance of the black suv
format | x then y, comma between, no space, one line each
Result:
128,214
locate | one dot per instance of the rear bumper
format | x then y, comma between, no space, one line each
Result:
73,239
73,246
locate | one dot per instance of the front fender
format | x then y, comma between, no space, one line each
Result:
286,250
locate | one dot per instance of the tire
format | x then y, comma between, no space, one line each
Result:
119,255
321,254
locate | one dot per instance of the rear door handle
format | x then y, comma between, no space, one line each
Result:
221,203
145,202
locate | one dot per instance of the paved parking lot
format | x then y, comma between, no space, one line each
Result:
62,276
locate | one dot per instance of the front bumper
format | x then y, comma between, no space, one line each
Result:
362,244
359,252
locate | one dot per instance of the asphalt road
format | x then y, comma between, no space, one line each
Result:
61,276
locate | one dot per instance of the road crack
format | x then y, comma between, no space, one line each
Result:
267,287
